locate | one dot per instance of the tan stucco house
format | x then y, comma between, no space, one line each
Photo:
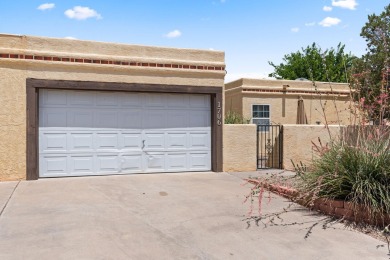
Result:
79,108
276,101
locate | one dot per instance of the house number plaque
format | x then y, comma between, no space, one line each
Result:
219,114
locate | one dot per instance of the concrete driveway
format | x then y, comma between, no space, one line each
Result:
162,216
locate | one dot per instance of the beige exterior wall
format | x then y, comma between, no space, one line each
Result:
326,103
284,108
12,123
239,148
233,103
298,142
14,72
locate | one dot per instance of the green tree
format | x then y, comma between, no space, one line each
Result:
375,63
376,32
314,64
371,71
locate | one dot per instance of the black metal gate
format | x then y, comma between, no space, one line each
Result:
269,146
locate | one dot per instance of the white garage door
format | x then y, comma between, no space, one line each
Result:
98,133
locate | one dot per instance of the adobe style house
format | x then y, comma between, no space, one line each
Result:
79,108
289,102
290,115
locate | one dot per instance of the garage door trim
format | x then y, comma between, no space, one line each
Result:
32,91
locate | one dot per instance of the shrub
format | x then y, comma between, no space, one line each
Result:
355,168
232,117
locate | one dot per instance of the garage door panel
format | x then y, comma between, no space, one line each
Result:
131,119
177,101
54,98
53,142
199,119
154,140
53,165
81,98
131,100
200,101
155,162
104,99
107,163
176,161
131,141
81,141
131,163
55,117
106,140
199,161
155,119
81,164
199,140
106,119
80,118
155,101
177,119
176,140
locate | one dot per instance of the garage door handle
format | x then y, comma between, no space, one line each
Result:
143,144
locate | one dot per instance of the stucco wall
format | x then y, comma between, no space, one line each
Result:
14,72
12,124
239,148
233,103
298,142
284,108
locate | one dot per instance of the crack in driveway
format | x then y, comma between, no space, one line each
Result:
9,198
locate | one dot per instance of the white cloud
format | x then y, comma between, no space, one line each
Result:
295,29
347,4
70,38
327,8
223,1
330,21
173,34
310,24
46,6
82,13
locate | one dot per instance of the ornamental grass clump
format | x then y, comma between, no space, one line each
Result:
354,168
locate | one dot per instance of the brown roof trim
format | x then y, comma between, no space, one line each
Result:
50,58
296,91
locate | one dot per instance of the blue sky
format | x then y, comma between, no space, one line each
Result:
251,32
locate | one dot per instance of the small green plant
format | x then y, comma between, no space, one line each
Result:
299,168
232,117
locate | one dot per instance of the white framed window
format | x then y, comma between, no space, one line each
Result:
261,115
